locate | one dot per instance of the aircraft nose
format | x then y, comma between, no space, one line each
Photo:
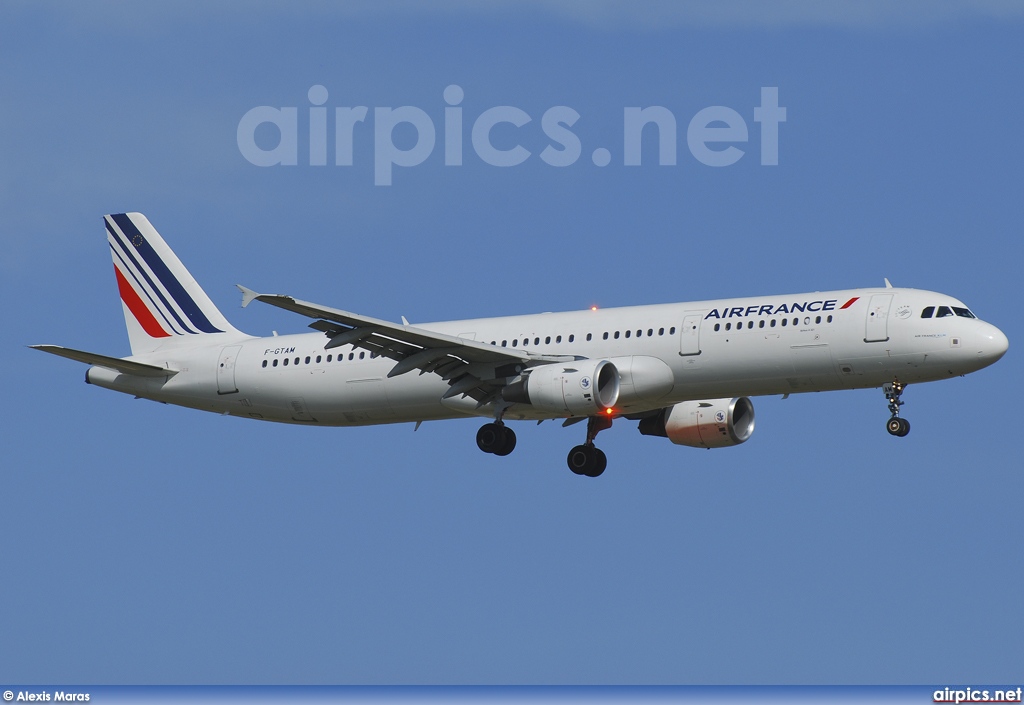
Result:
993,344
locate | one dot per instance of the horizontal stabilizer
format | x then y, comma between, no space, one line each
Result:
115,363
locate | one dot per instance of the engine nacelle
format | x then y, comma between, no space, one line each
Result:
580,388
712,423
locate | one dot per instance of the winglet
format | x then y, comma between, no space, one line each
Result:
887,284
248,295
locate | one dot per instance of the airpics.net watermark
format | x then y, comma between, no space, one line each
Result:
711,135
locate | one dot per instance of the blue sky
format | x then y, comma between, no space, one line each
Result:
148,544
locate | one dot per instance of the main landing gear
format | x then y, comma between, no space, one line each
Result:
896,425
496,438
587,459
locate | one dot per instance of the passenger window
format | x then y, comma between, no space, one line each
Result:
773,323
718,327
558,339
275,363
639,334
760,324
286,362
728,326
927,311
750,324
362,355
661,331
264,363
785,321
589,337
307,359
296,361
830,319
807,320
572,337
943,312
536,341
672,330
504,343
515,343
817,319
650,332
331,357
318,359
796,321
605,336
616,335
628,332
547,340
351,356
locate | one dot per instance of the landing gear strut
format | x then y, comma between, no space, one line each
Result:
896,425
496,438
587,459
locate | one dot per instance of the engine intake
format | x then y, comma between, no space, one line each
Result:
712,423
579,388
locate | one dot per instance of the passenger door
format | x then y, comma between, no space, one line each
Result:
876,328
226,369
689,335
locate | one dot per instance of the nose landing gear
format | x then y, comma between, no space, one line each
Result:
587,459
896,425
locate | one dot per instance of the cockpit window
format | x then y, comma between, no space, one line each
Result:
943,312
962,312
927,312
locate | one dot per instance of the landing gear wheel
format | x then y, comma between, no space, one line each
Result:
897,426
510,442
587,460
580,458
495,438
489,438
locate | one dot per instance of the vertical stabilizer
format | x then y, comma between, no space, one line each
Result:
163,304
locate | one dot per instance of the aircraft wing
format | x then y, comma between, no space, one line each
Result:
114,363
470,367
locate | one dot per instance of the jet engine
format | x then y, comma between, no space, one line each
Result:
712,423
579,388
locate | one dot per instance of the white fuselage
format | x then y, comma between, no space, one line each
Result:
664,353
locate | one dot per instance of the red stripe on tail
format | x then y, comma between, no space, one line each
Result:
138,308
849,303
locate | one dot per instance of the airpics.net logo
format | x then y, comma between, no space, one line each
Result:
716,136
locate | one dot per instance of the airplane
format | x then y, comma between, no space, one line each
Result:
684,371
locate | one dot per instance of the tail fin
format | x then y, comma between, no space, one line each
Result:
162,302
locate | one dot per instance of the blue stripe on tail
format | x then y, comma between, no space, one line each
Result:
142,288
170,282
119,239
